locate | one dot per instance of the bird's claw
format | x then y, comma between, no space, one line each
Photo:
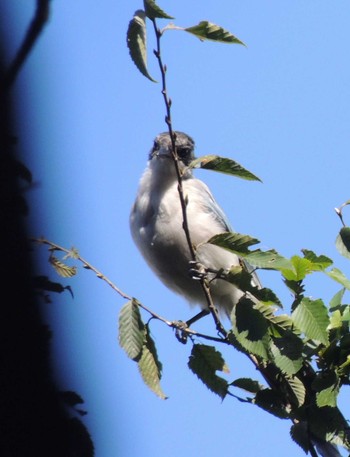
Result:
197,271
180,332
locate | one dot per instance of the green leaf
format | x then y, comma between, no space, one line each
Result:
234,242
204,361
223,165
247,384
61,268
131,329
298,389
339,277
149,365
250,328
311,318
271,401
318,263
342,242
327,387
287,353
153,11
208,31
137,42
300,268
336,301
268,260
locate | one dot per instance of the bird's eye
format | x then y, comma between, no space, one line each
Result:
184,154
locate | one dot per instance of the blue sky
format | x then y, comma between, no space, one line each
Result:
280,107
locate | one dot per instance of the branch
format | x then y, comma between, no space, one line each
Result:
185,226
40,19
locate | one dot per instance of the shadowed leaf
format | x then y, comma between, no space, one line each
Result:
153,11
247,384
208,31
342,242
137,42
204,362
131,329
149,365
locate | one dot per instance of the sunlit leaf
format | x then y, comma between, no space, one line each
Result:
311,318
287,353
268,260
153,11
204,362
223,165
318,263
149,365
131,329
342,242
137,42
327,388
300,268
61,268
208,31
339,276
298,389
336,301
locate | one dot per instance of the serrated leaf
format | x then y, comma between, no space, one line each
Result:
61,268
223,165
204,361
131,329
311,318
149,365
287,353
235,242
339,277
300,435
318,263
250,328
247,384
153,11
342,242
298,389
208,31
137,42
271,401
327,387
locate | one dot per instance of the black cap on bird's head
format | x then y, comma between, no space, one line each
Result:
184,146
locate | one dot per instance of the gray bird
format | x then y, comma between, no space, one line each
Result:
156,223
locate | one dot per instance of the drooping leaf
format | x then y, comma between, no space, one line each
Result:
287,353
137,42
298,389
208,31
271,401
235,242
311,318
300,435
250,328
223,165
43,283
204,361
247,384
61,268
342,242
153,11
131,329
149,365
339,277
318,263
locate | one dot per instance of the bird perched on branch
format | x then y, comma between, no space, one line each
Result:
157,225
